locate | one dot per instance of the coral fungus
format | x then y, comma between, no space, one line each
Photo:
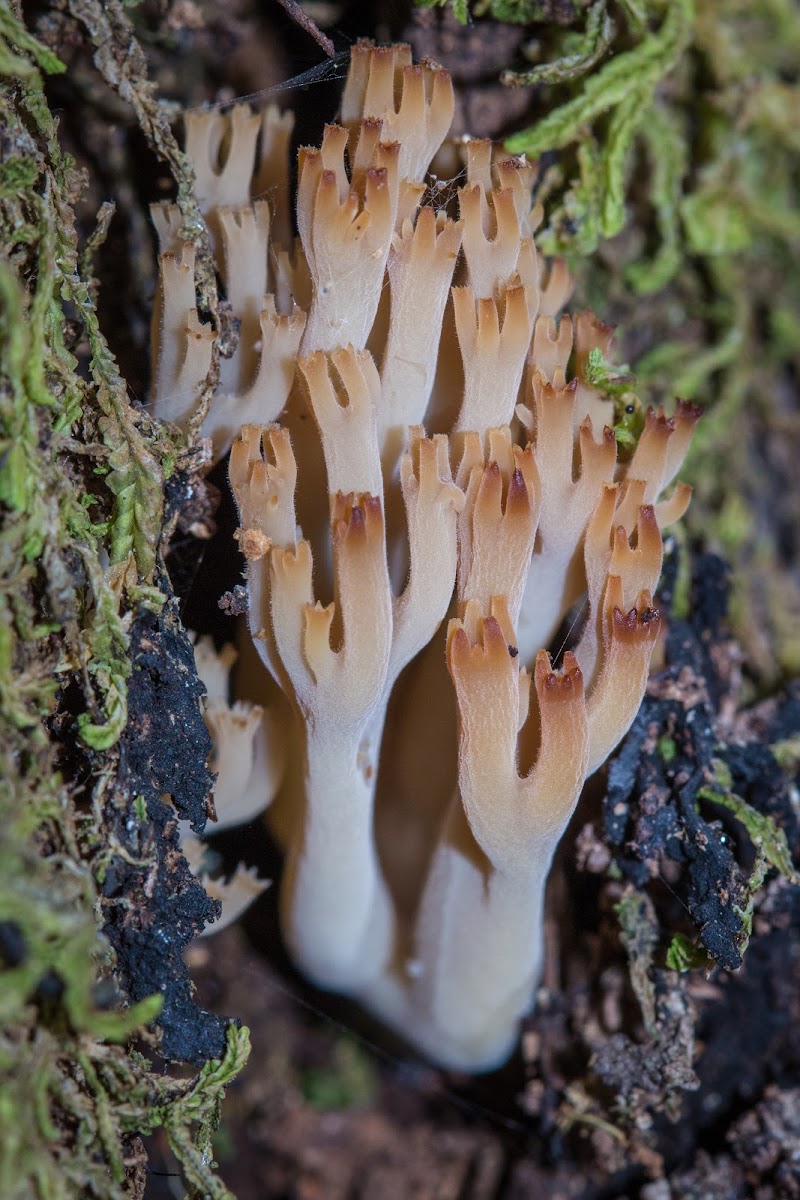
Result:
424,494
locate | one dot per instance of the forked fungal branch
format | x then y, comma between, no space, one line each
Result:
427,482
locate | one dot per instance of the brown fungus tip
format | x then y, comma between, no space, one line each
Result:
657,419
687,410
638,623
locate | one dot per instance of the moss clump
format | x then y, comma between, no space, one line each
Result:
81,489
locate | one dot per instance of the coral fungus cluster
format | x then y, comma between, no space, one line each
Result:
427,483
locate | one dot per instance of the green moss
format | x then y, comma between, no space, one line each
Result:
348,1083
460,8
667,748
581,51
787,753
684,955
615,105
518,12
616,383
767,837
72,1092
